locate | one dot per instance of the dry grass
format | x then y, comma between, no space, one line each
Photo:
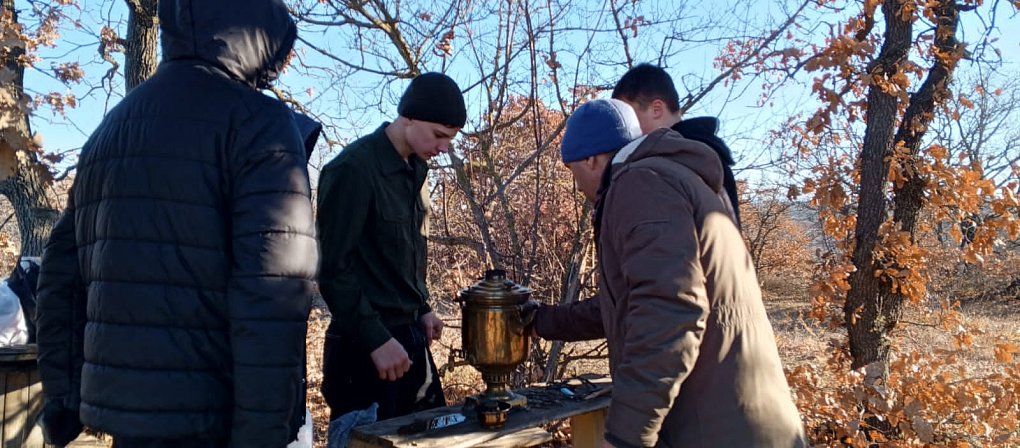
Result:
802,340
923,331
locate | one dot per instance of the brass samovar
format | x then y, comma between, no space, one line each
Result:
495,321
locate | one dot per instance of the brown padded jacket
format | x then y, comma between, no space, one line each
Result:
692,353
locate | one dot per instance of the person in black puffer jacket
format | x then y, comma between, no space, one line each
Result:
176,286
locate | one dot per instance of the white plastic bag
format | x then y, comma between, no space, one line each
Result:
305,437
13,330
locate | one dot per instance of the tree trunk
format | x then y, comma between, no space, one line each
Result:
919,115
142,40
869,312
872,308
25,187
25,191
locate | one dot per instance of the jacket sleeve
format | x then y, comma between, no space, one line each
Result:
60,316
345,196
577,321
274,257
652,231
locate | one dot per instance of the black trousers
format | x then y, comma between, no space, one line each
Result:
350,381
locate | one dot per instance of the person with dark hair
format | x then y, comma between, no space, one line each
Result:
691,351
650,91
175,288
373,227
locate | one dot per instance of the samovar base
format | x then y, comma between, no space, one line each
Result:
517,401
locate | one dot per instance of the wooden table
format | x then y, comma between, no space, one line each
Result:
22,398
522,429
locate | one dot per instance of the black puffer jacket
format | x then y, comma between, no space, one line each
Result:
188,243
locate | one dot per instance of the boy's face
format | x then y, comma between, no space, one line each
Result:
428,139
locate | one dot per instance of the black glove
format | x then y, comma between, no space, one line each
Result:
60,425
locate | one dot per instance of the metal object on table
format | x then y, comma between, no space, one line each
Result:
432,424
493,414
447,420
604,390
494,326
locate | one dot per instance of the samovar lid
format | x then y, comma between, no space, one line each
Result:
495,287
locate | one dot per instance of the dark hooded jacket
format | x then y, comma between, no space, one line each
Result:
703,129
175,288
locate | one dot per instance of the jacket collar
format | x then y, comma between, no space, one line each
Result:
668,145
624,153
389,158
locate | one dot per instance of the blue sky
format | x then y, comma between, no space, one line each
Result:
745,123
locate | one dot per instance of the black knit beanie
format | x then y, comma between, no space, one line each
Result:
435,98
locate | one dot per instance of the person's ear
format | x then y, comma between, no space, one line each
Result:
658,109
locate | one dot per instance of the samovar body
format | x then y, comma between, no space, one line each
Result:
494,332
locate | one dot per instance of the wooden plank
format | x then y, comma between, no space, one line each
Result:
545,405
3,405
15,409
26,408
18,353
35,405
88,441
35,438
22,397
525,438
588,430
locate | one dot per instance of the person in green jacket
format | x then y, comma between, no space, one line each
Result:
372,221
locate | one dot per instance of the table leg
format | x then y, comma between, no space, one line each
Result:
587,429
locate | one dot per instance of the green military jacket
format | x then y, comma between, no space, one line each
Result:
373,229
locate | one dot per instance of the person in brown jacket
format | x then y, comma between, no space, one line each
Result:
691,350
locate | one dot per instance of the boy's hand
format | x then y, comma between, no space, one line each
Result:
391,360
433,327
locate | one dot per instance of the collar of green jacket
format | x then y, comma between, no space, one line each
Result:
390,161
